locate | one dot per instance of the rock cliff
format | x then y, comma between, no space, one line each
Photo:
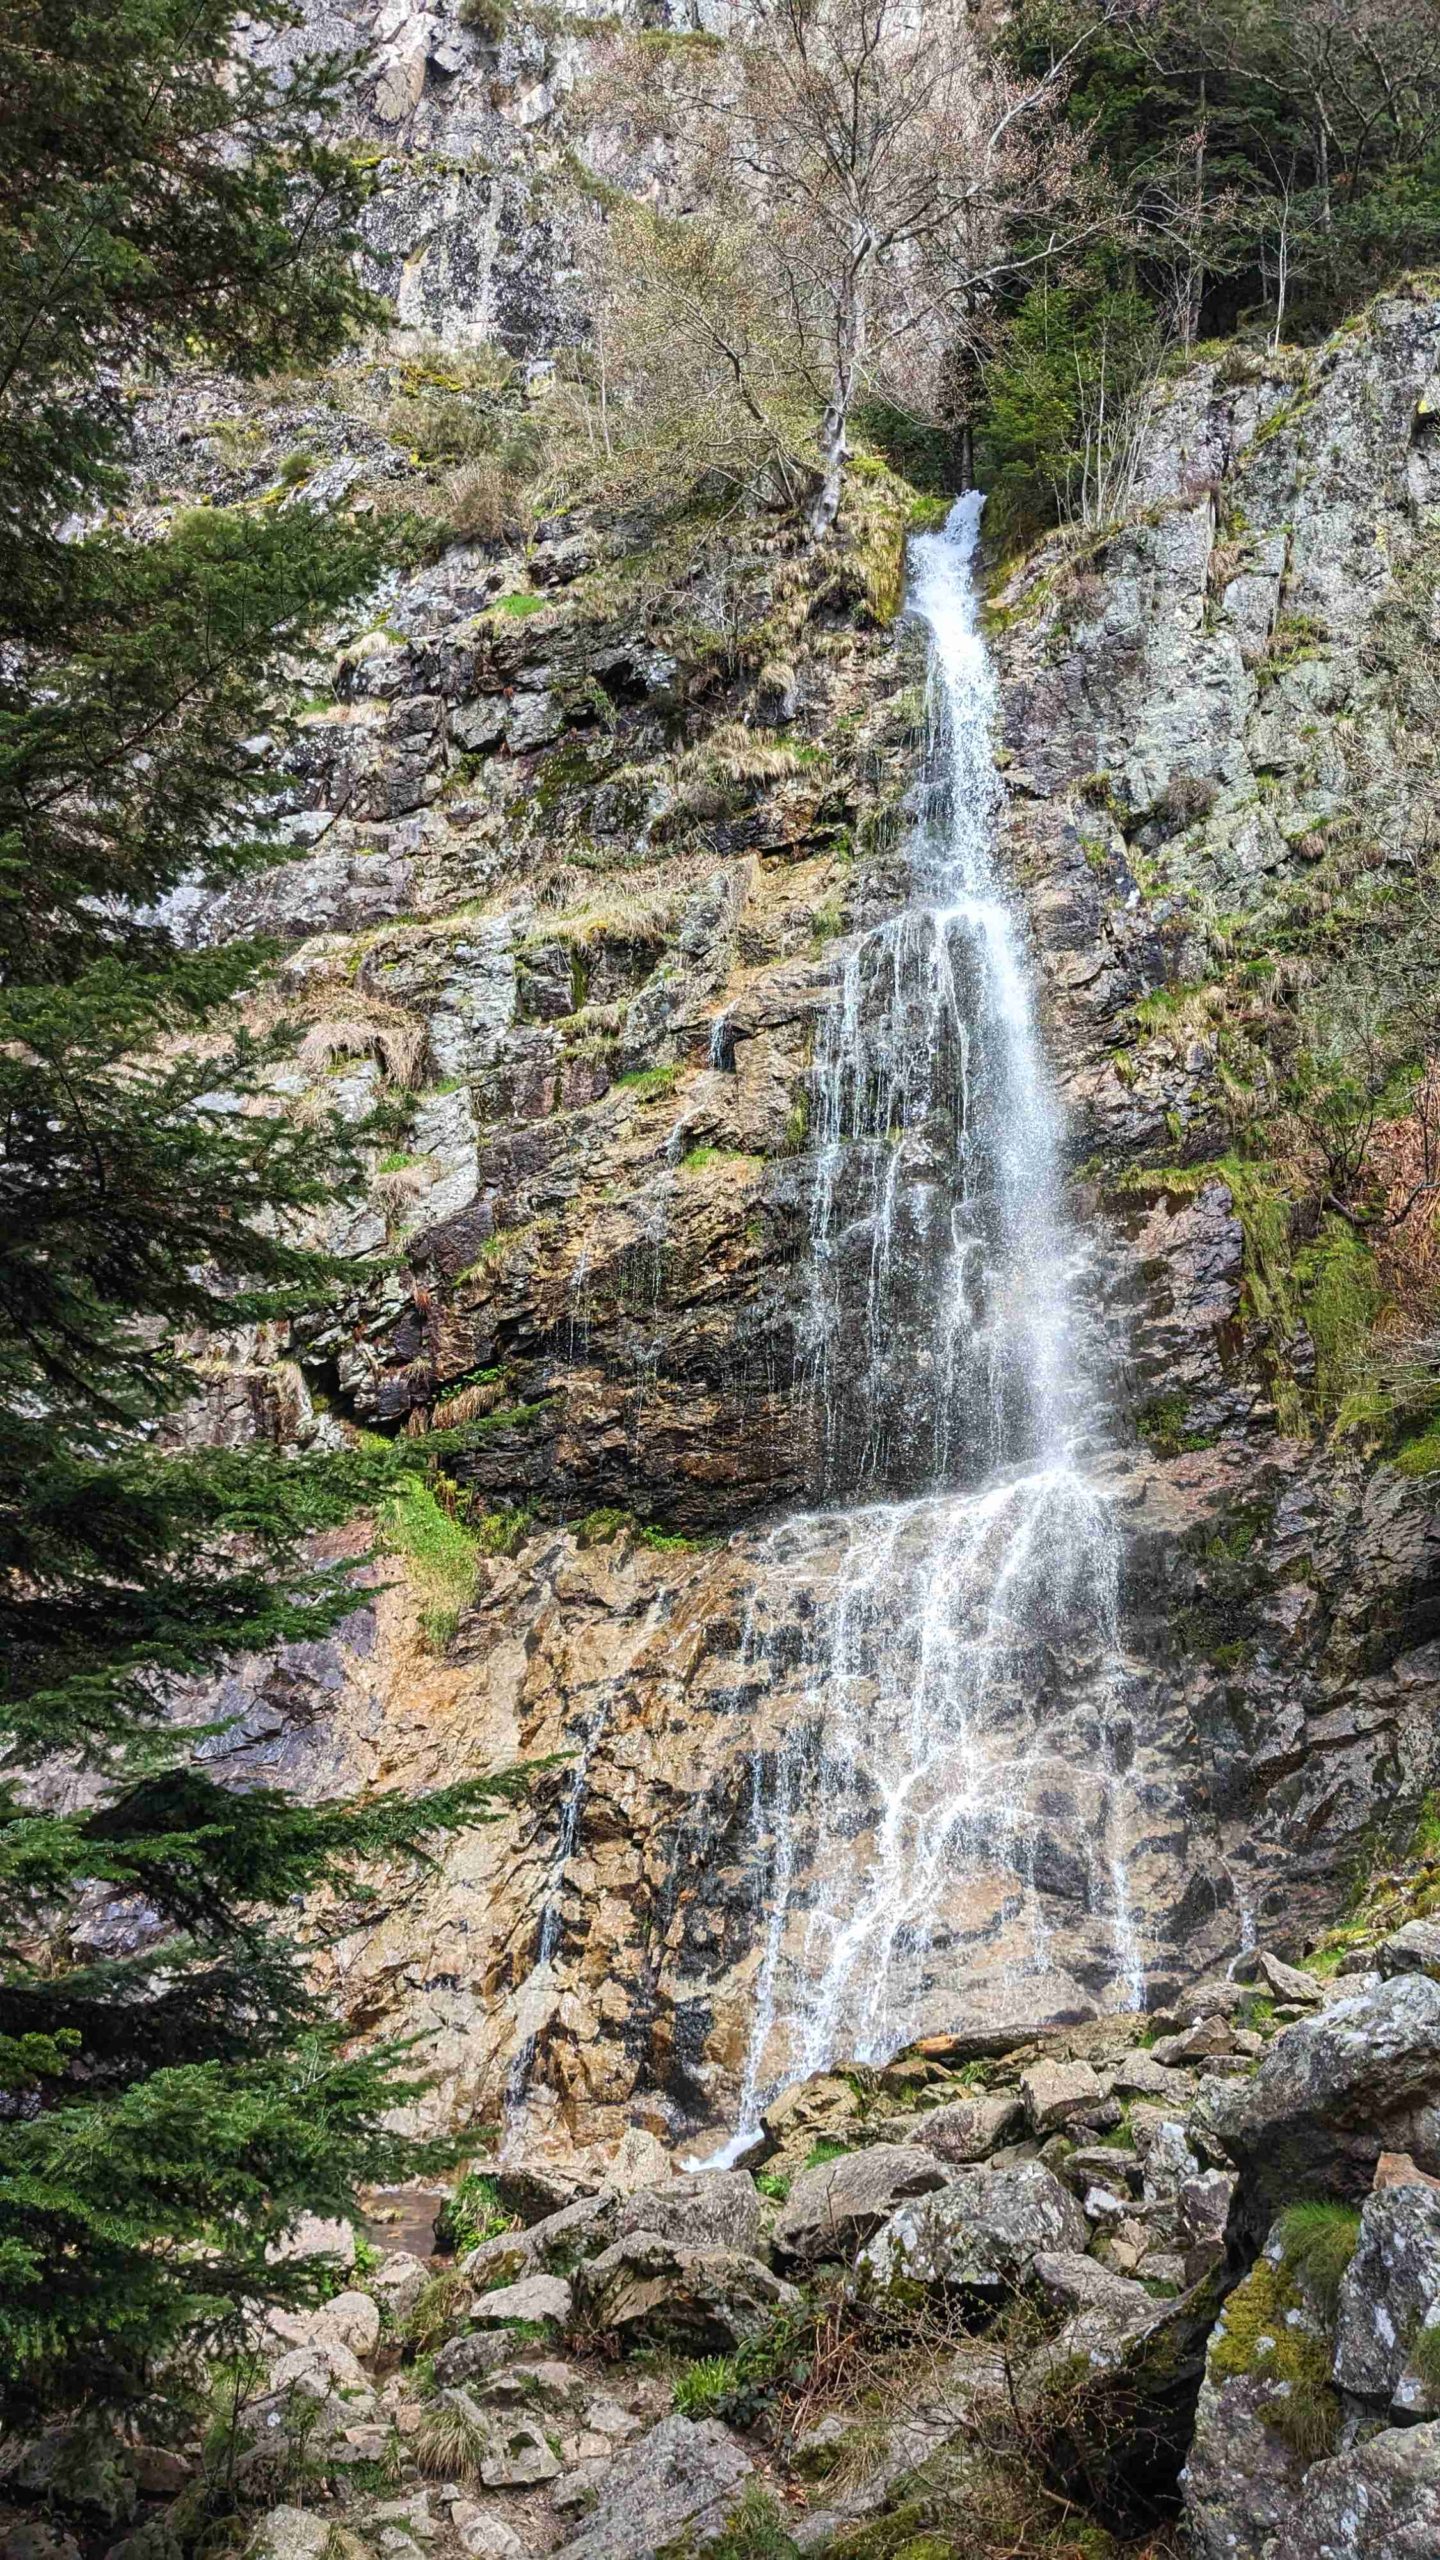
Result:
581,832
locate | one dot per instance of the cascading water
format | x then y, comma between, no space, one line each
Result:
951,1385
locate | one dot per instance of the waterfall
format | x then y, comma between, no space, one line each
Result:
938,1646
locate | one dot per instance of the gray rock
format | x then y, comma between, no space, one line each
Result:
287,2533
1141,2076
1082,2284
554,2246
89,2467
1202,2207
682,2478
969,2129
412,2513
1092,2163
352,2318
699,2300
1379,2501
638,2160
1216,1997
310,2237
1197,2043
1241,2478
1335,2091
397,2285
465,2359
534,2298
38,2538
520,2457
320,2367
1054,2092
1387,2290
483,2535
1286,1981
537,2190
986,2229
1413,1949
1170,2163
535,2381
834,2206
720,2209
295,2533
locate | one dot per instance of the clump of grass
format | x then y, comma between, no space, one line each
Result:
826,2147
756,2530
1419,1456
1317,2242
452,2439
599,1527
741,2386
1164,1426
705,2387
1425,2356
647,1083
700,1159
395,1040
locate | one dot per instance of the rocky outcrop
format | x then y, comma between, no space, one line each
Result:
984,2230
833,2207
583,969
1335,2092
1383,2496
1002,2327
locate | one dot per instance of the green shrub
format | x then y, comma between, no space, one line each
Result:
741,2386
472,2214
485,18
440,1551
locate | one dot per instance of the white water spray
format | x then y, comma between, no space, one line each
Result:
911,1801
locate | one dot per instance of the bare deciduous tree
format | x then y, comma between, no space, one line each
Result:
884,173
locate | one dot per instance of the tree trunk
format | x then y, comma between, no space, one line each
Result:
825,505
849,346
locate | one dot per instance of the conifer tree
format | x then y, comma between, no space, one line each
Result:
165,2112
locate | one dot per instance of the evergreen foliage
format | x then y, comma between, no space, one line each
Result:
1258,169
171,2093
